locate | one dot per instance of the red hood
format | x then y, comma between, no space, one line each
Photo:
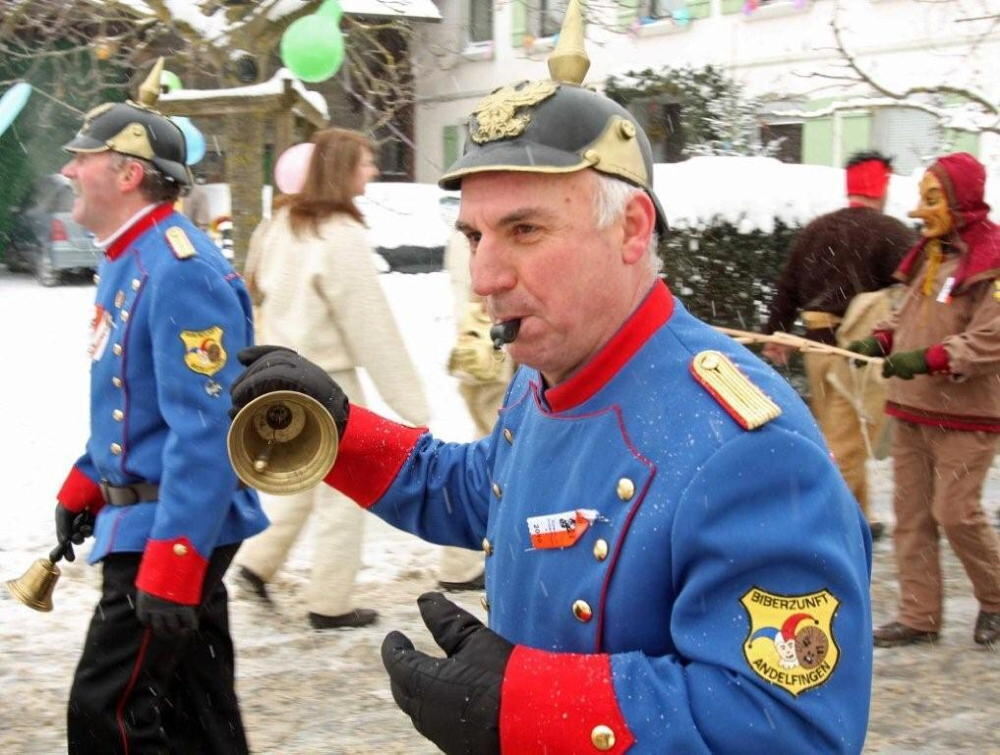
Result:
976,237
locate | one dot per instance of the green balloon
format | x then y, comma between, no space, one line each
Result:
332,9
171,81
313,48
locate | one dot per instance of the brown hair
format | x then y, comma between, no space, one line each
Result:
328,187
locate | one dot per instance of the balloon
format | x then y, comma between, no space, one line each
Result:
12,103
681,16
332,9
313,48
171,81
193,137
292,166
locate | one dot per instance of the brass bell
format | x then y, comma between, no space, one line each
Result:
34,587
282,442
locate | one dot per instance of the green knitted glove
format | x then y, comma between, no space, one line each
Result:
870,347
906,364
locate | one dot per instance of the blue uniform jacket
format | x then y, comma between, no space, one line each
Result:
718,599
170,316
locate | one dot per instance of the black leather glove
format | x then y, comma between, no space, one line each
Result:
453,701
276,368
164,617
72,528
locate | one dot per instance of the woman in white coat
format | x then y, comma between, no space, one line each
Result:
311,272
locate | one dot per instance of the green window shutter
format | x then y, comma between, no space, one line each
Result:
699,8
628,10
855,133
962,141
732,6
449,150
817,141
518,23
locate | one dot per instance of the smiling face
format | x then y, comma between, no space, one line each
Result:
933,209
106,190
538,255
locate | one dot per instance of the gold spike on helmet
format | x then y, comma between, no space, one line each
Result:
137,130
557,126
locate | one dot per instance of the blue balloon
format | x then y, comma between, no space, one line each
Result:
193,137
12,103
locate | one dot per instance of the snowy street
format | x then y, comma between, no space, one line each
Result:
304,691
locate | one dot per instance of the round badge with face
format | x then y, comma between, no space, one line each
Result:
933,210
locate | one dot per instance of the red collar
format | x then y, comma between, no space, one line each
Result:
654,311
139,227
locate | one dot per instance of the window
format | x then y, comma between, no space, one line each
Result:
658,8
790,136
547,16
907,135
480,20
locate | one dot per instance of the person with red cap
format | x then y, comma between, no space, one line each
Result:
943,349
837,256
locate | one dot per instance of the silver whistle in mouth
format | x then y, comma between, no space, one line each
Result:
504,332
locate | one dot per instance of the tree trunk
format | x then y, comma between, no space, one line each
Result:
245,169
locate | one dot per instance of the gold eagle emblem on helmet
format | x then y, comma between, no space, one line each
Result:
496,115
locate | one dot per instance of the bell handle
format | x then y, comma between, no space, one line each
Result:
59,551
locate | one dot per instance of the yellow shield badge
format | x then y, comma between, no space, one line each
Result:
203,350
790,642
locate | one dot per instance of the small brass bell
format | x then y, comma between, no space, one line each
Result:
34,588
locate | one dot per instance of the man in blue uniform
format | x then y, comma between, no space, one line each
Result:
156,672
673,562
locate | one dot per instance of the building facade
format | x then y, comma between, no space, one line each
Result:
784,52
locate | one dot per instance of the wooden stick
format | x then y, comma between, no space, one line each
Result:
798,342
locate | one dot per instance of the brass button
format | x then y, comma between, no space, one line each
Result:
117,349
626,129
116,381
602,737
487,547
97,279
626,489
601,549
119,299
124,315
484,603
117,415
710,362
592,156
508,436
180,549
497,490
582,610
116,449
135,284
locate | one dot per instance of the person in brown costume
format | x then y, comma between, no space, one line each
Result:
943,348
833,259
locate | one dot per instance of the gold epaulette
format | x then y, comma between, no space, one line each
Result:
745,402
180,243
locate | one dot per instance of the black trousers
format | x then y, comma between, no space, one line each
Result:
137,693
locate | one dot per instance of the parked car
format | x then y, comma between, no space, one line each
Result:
44,238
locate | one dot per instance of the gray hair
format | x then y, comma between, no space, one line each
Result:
612,196
155,186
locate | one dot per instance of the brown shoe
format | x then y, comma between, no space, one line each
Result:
895,634
987,628
359,617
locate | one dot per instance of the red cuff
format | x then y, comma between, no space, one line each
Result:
172,570
937,358
370,456
543,706
79,493
884,338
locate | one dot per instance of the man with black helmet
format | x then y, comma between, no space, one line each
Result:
156,672
673,563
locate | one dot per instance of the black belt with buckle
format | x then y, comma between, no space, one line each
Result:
131,494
